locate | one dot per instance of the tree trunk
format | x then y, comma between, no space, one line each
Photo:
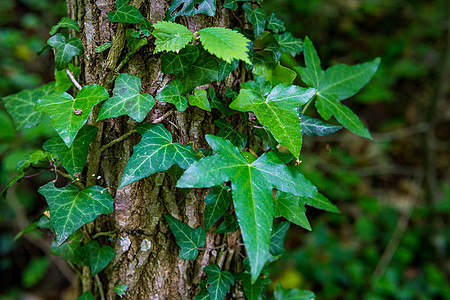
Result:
156,273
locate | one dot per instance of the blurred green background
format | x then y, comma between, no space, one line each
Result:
391,240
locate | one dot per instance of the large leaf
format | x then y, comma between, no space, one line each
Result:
289,44
179,63
99,256
191,8
216,203
170,36
292,294
65,22
127,100
277,110
155,153
72,158
71,208
277,238
313,127
21,105
219,283
173,94
257,17
252,182
64,51
187,238
225,43
67,114
204,70
125,13
62,81
290,207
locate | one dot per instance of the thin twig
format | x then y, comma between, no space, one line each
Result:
36,174
100,287
160,119
212,248
72,180
104,233
72,78
119,139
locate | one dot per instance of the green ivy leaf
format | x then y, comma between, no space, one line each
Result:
72,250
290,207
86,296
65,22
203,294
219,104
125,13
275,74
226,68
179,63
229,224
187,238
67,114
155,153
134,42
277,238
62,81
289,44
252,183
191,8
21,105
204,70
31,159
319,201
226,131
231,4
71,208
99,257
225,43
72,158
121,289
315,127
64,51
127,100
277,110
275,24
257,17
216,203
170,36
253,291
292,294
219,282
103,47
172,94
200,99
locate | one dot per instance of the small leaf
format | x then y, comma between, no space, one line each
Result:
231,4
229,224
315,127
219,104
125,13
200,99
219,282
227,132
99,257
21,105
86,296
226,68
71,208
191,8
216,203
127,99
102,47
155,153
320,202
121,289
225,43
72,250
253,291
275,24
275,74
134,42
72,158
179,63
257,17
170,36
290,207
277,238
65,22
62,81
172,94
187,238
289,44
203,294
292,294
204,70
64,51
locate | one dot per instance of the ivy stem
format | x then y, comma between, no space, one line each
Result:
105,233
72,78
212,248
119,139
36,174
160,119
100,287
72,180
305,108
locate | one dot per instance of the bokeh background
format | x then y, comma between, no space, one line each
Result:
392,238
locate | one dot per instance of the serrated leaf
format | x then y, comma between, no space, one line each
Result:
120,289
315,127
67,114
103,47
292,294
179,63
290,207
21,105
257,17
172,94
225,43
134,42
62,81
65,22
229,224
204,70
72,250
71,208
289,44
227,132
155,153
219,104
86,296
277,110
170,36
226,68
275,74
275,24
252,184
191,8
187,238
277,238
64,51
125,13
319,201
200,99
72,158
127,99
216,203
99,257
219,282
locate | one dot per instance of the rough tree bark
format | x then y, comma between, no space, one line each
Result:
157,273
